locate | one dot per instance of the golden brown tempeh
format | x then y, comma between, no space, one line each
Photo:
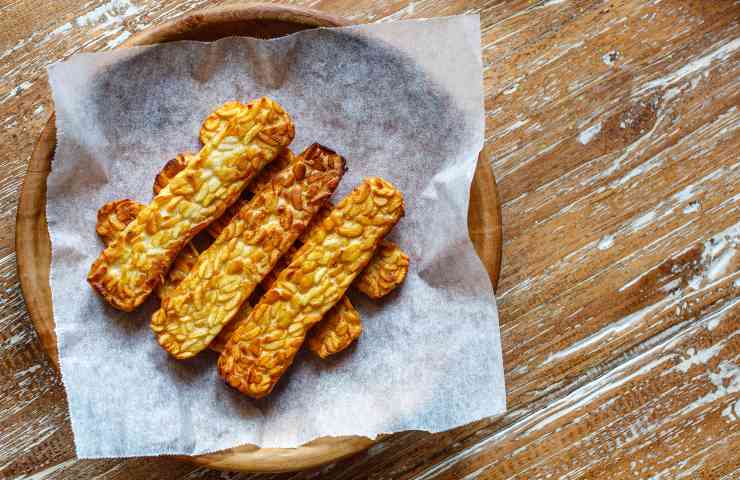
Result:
340,327
223,336
113,217
245,251
219,342
261,349
265,177
184,262
171,169
214,123
336,331
112,220
132,265
386,271
177,164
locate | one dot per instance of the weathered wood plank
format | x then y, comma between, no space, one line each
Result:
614,126
673,411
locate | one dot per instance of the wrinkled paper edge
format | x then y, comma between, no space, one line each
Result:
359,29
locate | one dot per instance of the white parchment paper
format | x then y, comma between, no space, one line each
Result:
399,100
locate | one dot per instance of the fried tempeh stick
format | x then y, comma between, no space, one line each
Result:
219,341
245,251
112,220
386,271
177,164
340,327
131,266
262,349
336,331
113,217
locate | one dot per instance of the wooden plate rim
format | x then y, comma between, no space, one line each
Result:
31,238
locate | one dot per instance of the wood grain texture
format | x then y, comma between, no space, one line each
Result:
614,132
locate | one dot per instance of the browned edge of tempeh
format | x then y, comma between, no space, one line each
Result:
246,250
262,349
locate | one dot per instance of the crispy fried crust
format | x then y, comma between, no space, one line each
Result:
217,226
111,222
177,164
261,349
219,342
265,177
316,222
336,331
131,266
386,271
184,262
113,218
269,281
342,325
210,128
284,159
170,170
247,249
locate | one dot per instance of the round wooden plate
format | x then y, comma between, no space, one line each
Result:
34,249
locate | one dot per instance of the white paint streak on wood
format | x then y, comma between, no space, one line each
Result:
640,143
522,163
550,3
27,371
699,65
717,256
42,428
643,220
509,129
725,382
17,46
635,280
701,357
613,329
606,242
62,29
511,89
120,38
46,473
587,135
16,91
112,12
402,13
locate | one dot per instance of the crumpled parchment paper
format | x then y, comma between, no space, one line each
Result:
399,100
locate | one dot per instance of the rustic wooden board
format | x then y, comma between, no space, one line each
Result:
613,129
33,247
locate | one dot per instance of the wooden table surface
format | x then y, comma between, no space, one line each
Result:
615,133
